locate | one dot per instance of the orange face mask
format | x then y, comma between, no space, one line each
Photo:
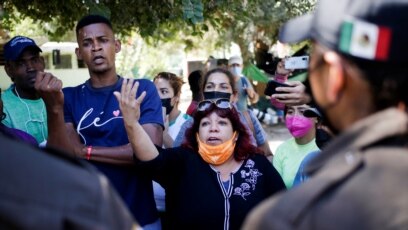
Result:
216,154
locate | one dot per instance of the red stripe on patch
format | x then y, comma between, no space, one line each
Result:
383,44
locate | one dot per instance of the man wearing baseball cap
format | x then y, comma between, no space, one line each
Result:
245,89
24,108
359,76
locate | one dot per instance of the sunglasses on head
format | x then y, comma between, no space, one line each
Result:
221,103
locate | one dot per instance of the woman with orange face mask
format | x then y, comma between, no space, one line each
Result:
215,178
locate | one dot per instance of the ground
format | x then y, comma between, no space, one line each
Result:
276,134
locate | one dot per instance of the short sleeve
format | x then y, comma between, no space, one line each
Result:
68,113
151,108
182,133
260,135
247,83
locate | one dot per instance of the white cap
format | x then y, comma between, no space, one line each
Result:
235,60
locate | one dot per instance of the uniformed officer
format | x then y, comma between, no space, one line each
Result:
48,189
359,77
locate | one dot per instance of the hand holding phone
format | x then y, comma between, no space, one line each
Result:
294,95
271,87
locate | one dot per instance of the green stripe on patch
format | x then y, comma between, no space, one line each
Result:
345,36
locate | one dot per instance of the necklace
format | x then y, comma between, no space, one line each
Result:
30,119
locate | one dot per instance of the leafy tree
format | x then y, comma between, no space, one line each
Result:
186,22
160,19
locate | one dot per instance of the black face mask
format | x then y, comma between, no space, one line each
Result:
216,95
166,103
322,138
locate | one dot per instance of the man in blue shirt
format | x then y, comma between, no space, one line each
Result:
94,128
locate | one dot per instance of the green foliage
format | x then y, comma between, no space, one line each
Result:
254,73
193,11
157,18
158,21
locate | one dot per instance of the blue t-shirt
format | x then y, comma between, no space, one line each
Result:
242,85
97,119
301,175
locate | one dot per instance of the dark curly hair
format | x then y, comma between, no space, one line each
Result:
243,148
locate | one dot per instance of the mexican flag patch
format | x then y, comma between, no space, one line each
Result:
365,40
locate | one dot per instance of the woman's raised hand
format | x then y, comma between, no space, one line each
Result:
142,145
128,103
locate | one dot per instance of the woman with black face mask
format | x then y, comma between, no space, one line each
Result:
168,86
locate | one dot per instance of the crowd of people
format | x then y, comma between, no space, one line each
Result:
118,153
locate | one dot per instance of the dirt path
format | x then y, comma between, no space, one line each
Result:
276,134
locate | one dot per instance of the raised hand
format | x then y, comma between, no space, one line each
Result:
49,89
142,145
128,103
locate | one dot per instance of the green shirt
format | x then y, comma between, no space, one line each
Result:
288,157
26,115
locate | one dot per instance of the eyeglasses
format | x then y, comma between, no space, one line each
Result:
221,103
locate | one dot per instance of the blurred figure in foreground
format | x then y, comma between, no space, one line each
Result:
46,189
358,74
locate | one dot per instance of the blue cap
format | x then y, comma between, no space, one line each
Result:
14,47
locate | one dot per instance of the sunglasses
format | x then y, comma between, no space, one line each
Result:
221,103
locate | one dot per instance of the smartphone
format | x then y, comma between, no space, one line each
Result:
271,87
301,62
